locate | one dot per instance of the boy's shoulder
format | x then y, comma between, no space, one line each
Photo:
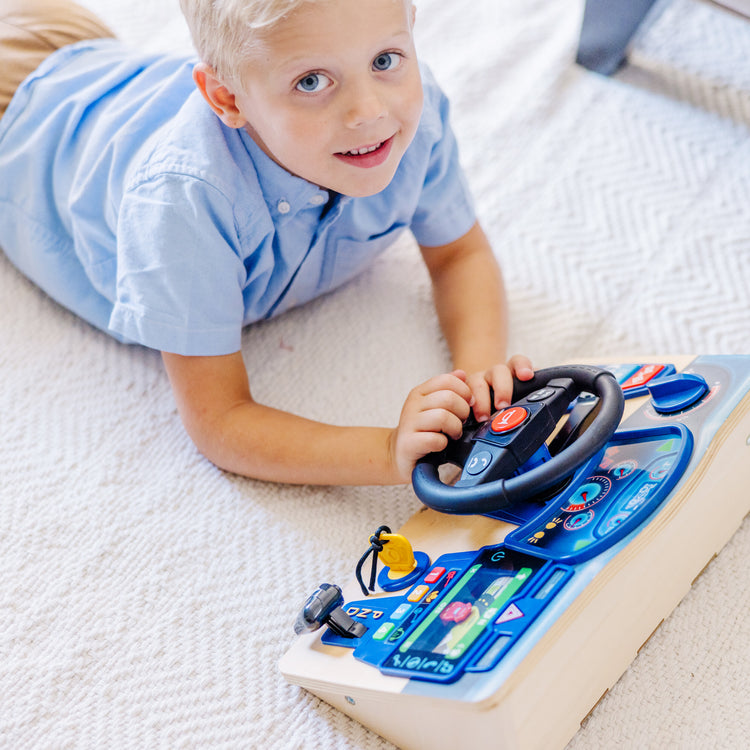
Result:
436,111
194,143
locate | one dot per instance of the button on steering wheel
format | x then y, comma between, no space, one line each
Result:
491,454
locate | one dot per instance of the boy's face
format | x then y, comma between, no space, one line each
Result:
334,93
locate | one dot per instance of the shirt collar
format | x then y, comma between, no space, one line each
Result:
285,194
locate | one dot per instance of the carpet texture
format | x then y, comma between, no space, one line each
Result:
146,597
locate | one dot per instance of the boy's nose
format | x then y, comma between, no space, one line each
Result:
365,105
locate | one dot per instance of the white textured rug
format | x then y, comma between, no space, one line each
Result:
146,597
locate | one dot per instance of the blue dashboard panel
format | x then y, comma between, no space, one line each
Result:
638,470
472,616
478,606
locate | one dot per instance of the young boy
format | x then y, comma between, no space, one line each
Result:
171,203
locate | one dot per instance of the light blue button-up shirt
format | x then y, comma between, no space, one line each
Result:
125,198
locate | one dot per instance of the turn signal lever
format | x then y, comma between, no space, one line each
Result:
325,607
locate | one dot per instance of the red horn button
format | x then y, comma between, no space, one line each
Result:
508,419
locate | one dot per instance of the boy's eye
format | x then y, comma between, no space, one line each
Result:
386,61
312,83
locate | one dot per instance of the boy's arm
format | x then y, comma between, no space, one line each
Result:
471,306
240,435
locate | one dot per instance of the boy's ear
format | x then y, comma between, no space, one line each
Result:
219,97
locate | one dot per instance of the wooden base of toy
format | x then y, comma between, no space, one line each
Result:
584,652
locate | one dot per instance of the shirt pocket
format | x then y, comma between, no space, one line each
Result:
351,257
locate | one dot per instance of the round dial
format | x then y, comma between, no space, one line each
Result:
588,494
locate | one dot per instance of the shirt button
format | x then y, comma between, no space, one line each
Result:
283,207
318,199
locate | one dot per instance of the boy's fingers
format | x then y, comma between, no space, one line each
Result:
502,376
521,367
446,400
429,442
480,390
440,421
452,381
502,385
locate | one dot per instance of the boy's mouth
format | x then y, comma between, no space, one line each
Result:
367,156
366,150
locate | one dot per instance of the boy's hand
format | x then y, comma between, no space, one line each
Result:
432,412
500,379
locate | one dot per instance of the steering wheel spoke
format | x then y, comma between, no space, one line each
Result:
485,463
490,455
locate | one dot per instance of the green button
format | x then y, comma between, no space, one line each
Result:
383,631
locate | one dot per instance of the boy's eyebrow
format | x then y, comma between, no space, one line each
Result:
312,59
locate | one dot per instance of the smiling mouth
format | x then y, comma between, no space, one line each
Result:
367,156
365,150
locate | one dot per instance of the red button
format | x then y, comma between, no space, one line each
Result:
642,376
434,575
509,419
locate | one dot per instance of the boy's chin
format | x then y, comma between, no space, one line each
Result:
366,186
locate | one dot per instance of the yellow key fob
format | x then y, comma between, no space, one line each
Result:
397,554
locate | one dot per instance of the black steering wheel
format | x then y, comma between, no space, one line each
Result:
491,453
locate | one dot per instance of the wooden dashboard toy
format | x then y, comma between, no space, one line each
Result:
523,590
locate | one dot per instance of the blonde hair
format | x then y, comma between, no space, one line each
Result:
225,32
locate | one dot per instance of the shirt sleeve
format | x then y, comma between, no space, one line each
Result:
445,210
180,274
